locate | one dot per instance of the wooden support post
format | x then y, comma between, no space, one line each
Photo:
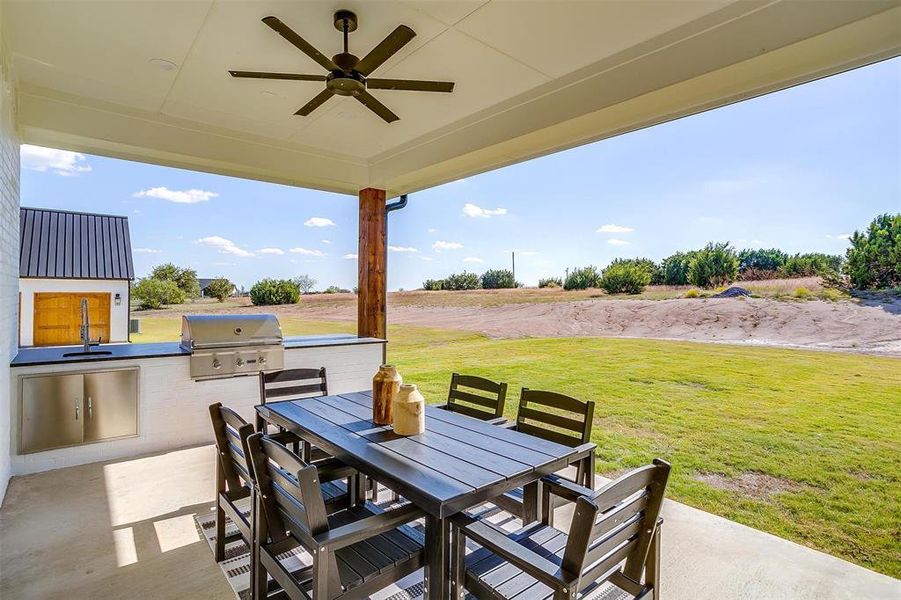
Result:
372,265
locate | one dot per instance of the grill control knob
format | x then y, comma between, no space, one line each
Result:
262,360
239,362
217,364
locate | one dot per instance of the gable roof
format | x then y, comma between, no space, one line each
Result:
73,245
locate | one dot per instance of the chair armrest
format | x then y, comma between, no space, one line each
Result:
331,469
377,524
499,421
284,437
507,424
496,540
563,487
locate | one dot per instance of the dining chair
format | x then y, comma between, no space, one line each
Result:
293,384
614,537
354,552
476,397
556,418
233,478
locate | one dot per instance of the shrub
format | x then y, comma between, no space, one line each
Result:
334,289
874,258
185,279
550,282
220,288
582,279
462,281
495,279
831,294
154,293
625,277
713,266
267,292
802,293
810,264
433,285
674,269
692,293
760,263
304,283
646,264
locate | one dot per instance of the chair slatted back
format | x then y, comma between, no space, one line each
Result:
231,431
569,425
616,524
488,404
293,384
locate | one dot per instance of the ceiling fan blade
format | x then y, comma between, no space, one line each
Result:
412,85
375,106
396,40
288,76
315,103
300,43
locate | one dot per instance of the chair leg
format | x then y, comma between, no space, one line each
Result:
652,566
220,531
259,578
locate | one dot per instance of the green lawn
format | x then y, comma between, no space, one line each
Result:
807,444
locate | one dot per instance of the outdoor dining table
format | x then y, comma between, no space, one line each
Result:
456,464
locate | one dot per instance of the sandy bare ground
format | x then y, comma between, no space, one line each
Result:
842,326
859,326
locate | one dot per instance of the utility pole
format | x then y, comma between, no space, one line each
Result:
513,257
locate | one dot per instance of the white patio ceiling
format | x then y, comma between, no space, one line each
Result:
532,77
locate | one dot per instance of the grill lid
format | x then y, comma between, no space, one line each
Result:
217,331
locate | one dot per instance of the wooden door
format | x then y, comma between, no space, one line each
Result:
57,317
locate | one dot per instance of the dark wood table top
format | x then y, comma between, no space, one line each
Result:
457,463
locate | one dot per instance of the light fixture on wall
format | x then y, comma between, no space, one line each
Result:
118,299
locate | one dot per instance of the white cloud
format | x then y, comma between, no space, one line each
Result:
841,236
319,222
471,210
427,258
442,245
306,251
146,251
611,228
192,196
326,241
277,251
616,242
473,259
402,249
432,230
350,256
223,245
61,162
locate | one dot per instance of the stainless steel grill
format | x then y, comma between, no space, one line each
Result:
232,345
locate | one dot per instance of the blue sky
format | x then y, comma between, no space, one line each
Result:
798,170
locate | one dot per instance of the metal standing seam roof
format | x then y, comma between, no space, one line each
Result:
72,245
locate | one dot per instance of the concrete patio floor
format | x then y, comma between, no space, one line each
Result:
125,529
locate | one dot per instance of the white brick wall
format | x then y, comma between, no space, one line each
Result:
9,252
173,409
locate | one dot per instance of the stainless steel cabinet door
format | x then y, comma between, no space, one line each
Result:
110,405
52,414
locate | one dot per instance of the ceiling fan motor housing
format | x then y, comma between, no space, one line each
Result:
345,83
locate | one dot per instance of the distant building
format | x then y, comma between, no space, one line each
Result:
65,257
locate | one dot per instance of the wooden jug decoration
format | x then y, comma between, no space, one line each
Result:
384,389
409,411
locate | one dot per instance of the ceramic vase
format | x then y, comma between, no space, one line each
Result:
384,390
409,411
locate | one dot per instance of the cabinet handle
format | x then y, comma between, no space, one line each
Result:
76,409
90,408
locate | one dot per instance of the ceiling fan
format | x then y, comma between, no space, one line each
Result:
349,75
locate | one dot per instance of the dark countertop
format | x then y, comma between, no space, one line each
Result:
53,355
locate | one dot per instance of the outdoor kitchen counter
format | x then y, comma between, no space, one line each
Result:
28,357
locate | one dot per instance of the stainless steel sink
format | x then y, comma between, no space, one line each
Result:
89,353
